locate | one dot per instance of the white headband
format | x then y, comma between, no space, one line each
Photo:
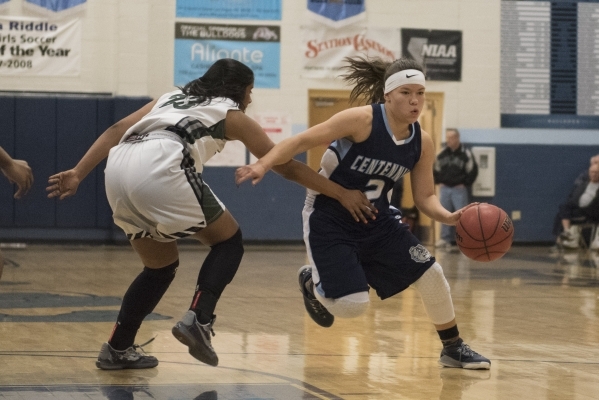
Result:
405,77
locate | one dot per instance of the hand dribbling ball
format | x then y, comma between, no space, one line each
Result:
484,232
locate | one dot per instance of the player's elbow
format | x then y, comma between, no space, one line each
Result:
421,200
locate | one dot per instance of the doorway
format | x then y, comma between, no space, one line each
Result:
323,104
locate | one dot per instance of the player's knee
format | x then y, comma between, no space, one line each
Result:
233,245
349,306
432,285
436,296
221,264
164,275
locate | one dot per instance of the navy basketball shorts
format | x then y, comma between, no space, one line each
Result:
349,257
154,190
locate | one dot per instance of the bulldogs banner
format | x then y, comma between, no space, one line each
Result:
440,52
324,50
198,46
337,13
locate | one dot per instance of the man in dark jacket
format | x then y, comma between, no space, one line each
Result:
455,170
582,206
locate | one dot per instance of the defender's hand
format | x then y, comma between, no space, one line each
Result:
255,172
63,184
358,205
19,173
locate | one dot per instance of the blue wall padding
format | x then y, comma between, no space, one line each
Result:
535,179
270,211
35,142
124,106
52,133
106,118
76,120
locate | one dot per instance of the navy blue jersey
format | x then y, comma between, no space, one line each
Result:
372,166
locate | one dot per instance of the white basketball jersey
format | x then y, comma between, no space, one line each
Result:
202,126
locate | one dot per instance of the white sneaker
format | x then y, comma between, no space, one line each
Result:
570,238
570,244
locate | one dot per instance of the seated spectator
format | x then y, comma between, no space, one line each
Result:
584,175
582,206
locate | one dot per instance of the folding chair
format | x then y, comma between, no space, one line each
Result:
591,227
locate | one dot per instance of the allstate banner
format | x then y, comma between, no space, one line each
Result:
230,9
440,52
38,46
337,13
324,50
198,46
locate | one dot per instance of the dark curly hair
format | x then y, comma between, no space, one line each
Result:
369,75
225,78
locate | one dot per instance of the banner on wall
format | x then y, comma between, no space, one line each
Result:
230,9
337,13
38,47
440,52
198,46
324,49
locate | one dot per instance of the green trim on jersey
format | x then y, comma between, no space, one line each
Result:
210,205
191,129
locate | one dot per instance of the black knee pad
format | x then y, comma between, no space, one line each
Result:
141,298
145,292
164,274
221,264
234,245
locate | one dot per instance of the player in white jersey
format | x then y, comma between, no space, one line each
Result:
155,188
371,148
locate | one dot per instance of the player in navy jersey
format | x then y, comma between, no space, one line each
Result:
371,148
157,194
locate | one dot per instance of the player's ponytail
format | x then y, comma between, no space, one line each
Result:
369,75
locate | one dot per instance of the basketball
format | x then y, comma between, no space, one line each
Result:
484,232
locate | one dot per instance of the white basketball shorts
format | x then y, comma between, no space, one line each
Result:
155,191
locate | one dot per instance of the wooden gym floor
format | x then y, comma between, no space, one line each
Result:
534,313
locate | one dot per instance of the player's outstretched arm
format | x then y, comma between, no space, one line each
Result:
353,124
65,183
258,143
17,172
